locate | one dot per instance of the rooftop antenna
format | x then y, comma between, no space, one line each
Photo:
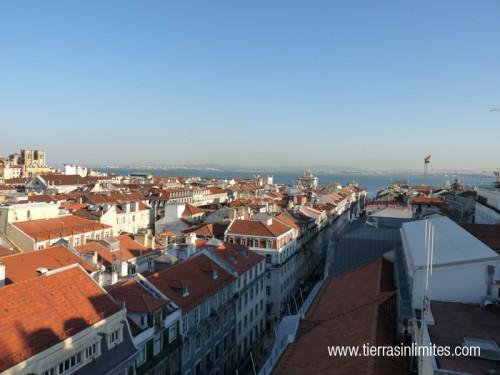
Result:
429,249
427,161
497,178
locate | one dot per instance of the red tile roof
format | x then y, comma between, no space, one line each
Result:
193,274
487,233
135,297
23,266
190,210
201,230
39,313
64,179
73,206
452,323
428,200
63,226
116,198
351,309
288,220
5,252
46,198
236,256
129,249
258,228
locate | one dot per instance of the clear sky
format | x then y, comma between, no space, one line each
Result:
370,84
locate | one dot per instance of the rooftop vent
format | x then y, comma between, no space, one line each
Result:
42,270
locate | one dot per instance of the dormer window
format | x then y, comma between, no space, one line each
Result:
184,291
114,337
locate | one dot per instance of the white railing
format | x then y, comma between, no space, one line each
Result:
279,347
282,342
310,298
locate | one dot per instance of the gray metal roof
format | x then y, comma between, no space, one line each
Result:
112,361
362,245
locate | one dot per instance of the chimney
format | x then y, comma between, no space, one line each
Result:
267,221
2,274
191,239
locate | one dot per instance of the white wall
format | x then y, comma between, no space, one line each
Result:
465,283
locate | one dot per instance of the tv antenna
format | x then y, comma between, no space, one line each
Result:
429,249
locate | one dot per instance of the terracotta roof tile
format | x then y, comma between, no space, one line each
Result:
129,249
487,233
63,226
23,266
135,297
351,309
190,210
258,228
238,257
193,274
39,313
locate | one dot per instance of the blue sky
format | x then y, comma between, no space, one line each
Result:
370,84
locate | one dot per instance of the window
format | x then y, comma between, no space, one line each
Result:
269,244
185,324
67,365
97,236
207,333
226,344
217,351
268,290
268,258
197,345
197,315
157,345
255,243
172,333
114,337
141,358
186,355
243,241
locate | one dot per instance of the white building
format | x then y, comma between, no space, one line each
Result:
249,269
73,169
464,268
488,205
277,242
26,211
90,336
